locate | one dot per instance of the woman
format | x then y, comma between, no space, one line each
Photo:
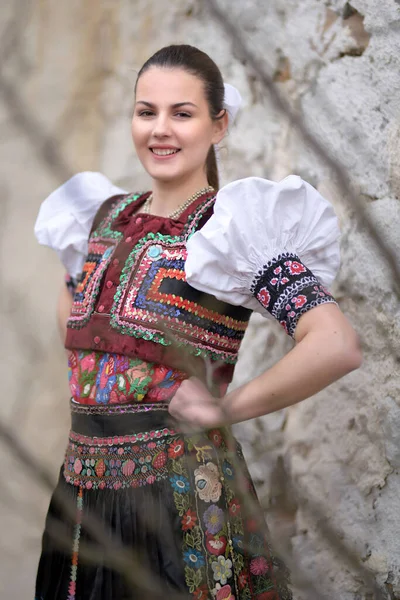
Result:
165,293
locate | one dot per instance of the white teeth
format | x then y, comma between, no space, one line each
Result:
163,151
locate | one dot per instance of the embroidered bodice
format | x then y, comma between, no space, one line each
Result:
132,297
174,292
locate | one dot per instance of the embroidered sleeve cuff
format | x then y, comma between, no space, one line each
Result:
287,290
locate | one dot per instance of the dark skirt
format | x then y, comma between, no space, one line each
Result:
143,512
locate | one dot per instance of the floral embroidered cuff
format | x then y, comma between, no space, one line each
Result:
287,290
71,283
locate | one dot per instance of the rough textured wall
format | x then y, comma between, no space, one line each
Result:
67,74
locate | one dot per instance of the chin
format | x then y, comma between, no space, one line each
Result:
166,175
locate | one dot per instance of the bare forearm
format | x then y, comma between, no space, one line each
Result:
316,362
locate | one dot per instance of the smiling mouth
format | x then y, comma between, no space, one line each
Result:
164,151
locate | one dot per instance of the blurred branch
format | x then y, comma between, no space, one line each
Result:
44,145
124,561
252,61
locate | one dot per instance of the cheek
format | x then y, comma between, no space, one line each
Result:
138,133
199,139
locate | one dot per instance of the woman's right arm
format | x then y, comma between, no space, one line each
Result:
64,306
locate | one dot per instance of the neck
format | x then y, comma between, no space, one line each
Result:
168,196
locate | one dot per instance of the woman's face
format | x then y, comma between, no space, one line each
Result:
171,127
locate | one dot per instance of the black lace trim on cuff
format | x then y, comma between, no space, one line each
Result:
287,290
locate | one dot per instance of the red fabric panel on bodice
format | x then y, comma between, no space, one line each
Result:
114,256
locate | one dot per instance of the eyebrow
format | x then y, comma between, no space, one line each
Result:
177,105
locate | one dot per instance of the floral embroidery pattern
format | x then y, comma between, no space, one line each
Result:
207,482
105,378
95,463
226,555
222,568
287,289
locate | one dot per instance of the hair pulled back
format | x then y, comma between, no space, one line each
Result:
197,63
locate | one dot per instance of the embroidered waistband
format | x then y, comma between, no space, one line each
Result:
120,461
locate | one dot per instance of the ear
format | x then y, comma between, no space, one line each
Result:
220,125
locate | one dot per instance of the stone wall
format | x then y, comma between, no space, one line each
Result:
67,73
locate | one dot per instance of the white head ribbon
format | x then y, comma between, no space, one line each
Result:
232,101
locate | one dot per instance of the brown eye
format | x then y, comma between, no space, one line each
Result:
183,114
145,113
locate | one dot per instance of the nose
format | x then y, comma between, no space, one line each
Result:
162,126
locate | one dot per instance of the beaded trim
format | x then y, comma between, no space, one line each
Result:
75,546
195,218
102,243
116,409
105,227
175,214
287,289
133,438
99,257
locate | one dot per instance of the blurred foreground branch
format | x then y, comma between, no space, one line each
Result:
320,150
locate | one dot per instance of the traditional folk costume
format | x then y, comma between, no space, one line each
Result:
156,300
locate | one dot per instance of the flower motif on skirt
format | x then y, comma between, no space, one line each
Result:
259,565
222,568
194,558
189,520
213,519
216,545
207,482
176,449
201,593
180,484
227,469
234,507
216,437
225,593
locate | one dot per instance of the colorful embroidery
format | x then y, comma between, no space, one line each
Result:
75,546
105,378
119,462
195,218
287,289
225,557
88,287
105,230
102,243
153,296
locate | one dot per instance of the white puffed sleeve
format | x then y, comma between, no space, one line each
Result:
66,217
271,247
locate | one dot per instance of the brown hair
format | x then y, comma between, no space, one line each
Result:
197,63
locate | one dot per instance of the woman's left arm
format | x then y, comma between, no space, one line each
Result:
327,348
